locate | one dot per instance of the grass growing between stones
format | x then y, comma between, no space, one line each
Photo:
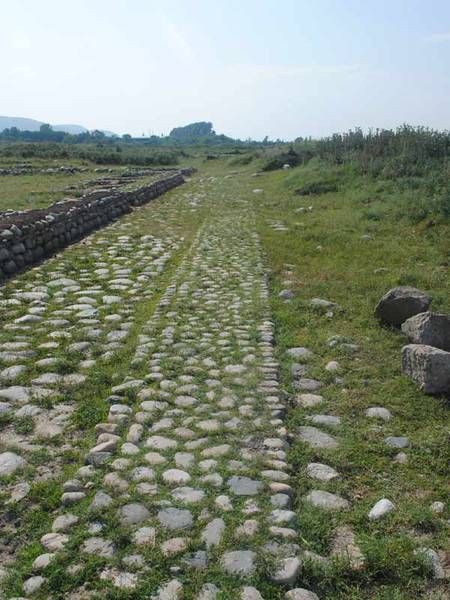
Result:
333,251
31,517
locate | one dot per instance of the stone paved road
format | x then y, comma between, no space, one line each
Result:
185,490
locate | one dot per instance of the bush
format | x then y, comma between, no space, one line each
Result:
241,161
316,187
418,208
290,158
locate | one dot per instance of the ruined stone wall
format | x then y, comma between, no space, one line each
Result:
28,237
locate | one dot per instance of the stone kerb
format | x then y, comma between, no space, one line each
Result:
28,237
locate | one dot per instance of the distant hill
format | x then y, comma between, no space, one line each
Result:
24,124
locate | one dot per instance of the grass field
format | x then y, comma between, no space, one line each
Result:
337,252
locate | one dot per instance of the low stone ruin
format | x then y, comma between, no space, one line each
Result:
26,169
28,237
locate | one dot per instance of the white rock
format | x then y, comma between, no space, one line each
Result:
381,508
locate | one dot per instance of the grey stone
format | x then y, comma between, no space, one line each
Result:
10,463
133,513
287,571
326,500
300,353
401,303
437,507
309,400
208,592
428,367
321,472
188,495
101,500
250,593
99,547
42,561
64,522
316,438
159,442
135,561
33,584
328,420
212,534
401,458
301,594
5,408
281,517
397,441
133,384
18,492
431,557
120,579
196,560
145,536
142,474
54,541
323,304
16,393
173,590
332,366
280,501
239,562
429,329
12,373
70,498
298,370
378,412
305,384
175,518
381,508
286,294
174,546
176,476
244,486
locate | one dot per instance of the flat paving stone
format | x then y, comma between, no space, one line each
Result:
175,518
239,562
326,500
244,486
132,514
321,472
317,439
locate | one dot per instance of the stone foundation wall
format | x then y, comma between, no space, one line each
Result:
28,237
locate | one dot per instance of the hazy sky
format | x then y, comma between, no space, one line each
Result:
281,68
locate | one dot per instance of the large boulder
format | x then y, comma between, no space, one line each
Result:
400,303
429,367
430,329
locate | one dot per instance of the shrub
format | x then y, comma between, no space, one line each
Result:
315,188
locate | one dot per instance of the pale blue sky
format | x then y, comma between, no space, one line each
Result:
252,67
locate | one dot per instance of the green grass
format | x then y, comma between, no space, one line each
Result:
329,258
23,192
